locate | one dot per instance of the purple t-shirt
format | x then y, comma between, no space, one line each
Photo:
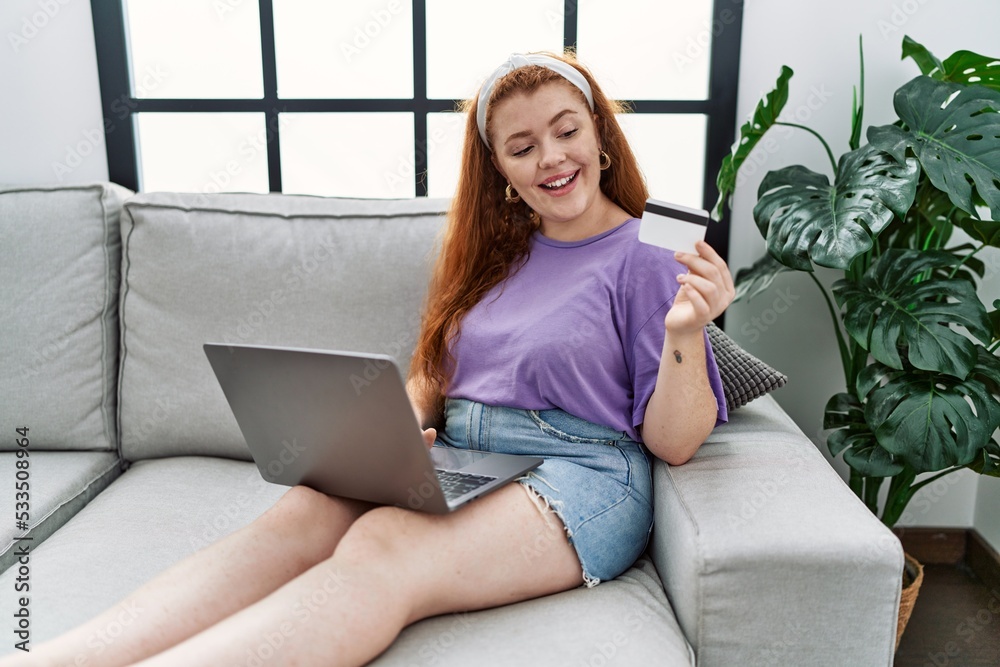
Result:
578,327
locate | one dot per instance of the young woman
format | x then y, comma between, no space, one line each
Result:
549,330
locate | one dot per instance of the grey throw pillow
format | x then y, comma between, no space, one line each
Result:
744,376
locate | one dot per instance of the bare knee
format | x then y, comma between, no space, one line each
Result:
378,536
313,520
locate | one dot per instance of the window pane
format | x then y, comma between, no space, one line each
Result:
202,152
465,42
348,154
445,132
666,55
671,153
362,48
194,48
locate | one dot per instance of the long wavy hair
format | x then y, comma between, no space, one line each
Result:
485,238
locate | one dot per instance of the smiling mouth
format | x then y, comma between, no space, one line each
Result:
561,182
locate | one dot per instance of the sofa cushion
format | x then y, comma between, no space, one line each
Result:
256,269
60,483
108,550
625,621
784,563
154,514
59,267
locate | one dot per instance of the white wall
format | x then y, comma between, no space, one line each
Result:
788,325
987,518
50,116
51,125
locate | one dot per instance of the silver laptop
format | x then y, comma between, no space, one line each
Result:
342,423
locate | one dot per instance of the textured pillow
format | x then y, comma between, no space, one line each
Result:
744,376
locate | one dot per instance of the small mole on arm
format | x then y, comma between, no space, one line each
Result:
677,356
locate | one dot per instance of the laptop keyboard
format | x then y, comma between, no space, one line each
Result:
455,484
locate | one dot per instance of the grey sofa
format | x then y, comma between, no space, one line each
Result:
761,555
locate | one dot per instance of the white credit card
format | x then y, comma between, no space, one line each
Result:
672,226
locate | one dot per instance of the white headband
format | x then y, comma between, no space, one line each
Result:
518,60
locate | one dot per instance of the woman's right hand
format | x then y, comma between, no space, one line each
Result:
430,434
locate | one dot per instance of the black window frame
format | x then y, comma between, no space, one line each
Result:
120,106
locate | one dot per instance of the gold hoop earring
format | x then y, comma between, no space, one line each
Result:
512,196
605,162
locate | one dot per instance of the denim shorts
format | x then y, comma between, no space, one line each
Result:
594,478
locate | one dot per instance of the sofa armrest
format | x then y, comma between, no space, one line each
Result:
768,557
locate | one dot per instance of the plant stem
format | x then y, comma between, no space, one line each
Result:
925,482
900,493
872,486
829,153
845,354
927,241
964,260
856,482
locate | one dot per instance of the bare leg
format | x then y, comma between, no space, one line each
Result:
393,568
300,530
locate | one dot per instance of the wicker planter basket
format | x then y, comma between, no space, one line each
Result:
913,576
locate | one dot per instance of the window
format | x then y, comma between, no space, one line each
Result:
357,99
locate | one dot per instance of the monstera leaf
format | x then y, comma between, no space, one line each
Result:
960,67
931,421
954,130
986,232
805,219
855,439
926,61
987,461
764,116
752,280
994,316
887,310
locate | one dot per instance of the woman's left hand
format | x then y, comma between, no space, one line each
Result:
706,290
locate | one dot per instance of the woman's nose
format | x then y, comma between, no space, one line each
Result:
550,155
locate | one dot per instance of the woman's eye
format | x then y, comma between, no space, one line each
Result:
523,151
568,133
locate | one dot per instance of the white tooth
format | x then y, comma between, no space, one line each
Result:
561,182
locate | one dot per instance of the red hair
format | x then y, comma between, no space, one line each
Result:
485,237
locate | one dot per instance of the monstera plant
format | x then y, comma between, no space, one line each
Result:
918,346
